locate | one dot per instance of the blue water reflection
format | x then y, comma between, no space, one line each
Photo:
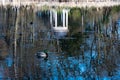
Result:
62,67
1,75
82,67
79,78
118,22
1,72
9,61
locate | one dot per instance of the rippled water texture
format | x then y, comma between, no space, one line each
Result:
88,50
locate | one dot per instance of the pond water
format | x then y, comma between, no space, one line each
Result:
89,50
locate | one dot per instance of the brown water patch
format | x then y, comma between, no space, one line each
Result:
3,49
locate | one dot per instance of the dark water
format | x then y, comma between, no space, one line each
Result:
89,51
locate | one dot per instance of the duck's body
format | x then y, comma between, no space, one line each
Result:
42,55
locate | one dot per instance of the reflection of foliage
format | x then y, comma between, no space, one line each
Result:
71,45
108,64
91,10
88,28
75,17
106,14
109,10
9,22
76,14
115,9
29,14
45,7
94,9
